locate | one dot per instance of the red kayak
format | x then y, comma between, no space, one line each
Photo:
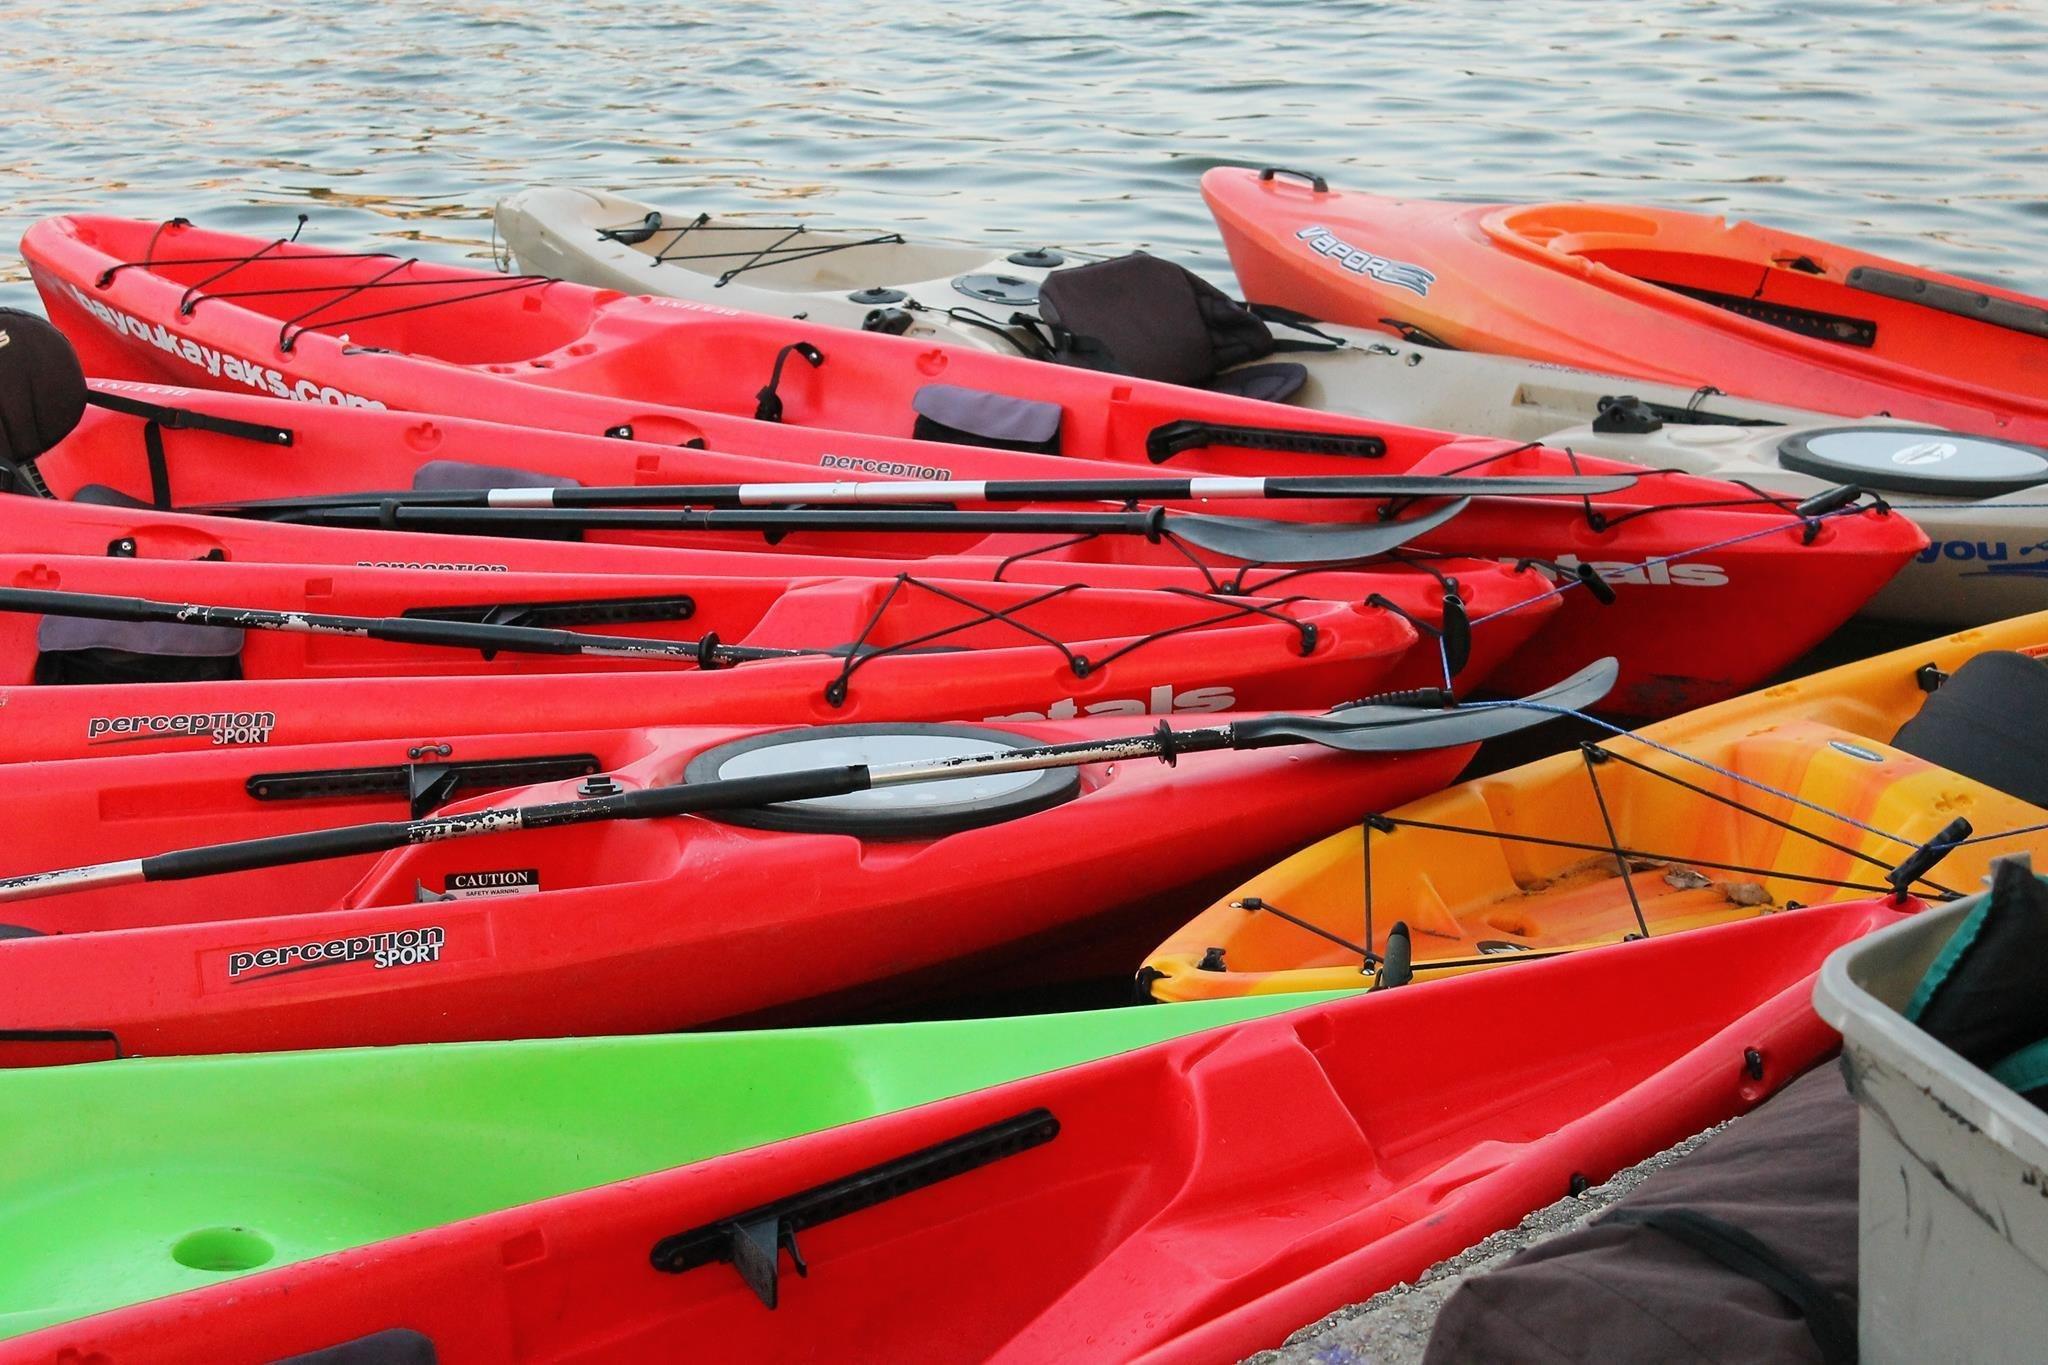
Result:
1689,582
1146,1206
771,648
541,927
1681,298
1512,605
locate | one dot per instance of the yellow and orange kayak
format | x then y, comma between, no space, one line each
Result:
1811,791
1679,298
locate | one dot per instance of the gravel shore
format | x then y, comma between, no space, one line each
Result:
1392,1327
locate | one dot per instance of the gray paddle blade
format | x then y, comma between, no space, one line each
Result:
1402,729
1309,542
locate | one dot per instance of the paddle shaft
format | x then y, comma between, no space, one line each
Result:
649,803
1249,539
398,629
401,514
1394,723
884,492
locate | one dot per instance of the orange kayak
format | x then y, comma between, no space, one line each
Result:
1679,298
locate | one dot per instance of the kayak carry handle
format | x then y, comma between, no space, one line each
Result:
1173,438
635,235
753,1241
768,402
1828,500
1315,182
1397,966
1922,860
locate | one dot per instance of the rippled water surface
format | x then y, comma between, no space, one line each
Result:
1914,129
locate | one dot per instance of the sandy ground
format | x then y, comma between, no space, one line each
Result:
1392,1328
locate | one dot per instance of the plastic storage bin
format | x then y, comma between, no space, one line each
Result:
1953,1169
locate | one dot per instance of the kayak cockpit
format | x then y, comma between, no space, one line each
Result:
1971,332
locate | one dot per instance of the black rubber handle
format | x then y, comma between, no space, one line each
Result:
1315,182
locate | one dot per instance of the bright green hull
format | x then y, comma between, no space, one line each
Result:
126,1181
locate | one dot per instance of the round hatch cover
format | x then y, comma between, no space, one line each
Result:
878,294
1038,258
1007,290
1916,460
914,810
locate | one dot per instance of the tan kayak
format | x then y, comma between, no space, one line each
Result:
1988,559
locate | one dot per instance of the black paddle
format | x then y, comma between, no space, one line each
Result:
888,492
706,653
1245,538
1382,726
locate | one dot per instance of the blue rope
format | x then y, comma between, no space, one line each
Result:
1965,502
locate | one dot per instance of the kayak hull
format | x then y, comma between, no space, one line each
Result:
308,1153
620,927
865,649
1978,568
561,356
1518,863
572,234
1229,1229
1599,287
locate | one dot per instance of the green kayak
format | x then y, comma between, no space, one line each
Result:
131,1180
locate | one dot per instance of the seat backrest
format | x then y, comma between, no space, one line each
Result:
1989,722
1155,319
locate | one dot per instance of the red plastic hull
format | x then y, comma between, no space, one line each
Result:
1499,288
1202,1198
636,925
575,359
1515,605
968,651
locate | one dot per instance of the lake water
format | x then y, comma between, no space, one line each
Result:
1919,130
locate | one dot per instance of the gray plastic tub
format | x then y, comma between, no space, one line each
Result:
1953,1169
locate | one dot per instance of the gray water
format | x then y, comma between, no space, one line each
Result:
1917,130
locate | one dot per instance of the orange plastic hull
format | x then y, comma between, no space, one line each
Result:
1680,298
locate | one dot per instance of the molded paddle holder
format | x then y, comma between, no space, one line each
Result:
753,1241
581,611
2028,318
1172,438
425,786
1922,860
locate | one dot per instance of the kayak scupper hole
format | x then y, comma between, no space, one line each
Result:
222,1250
